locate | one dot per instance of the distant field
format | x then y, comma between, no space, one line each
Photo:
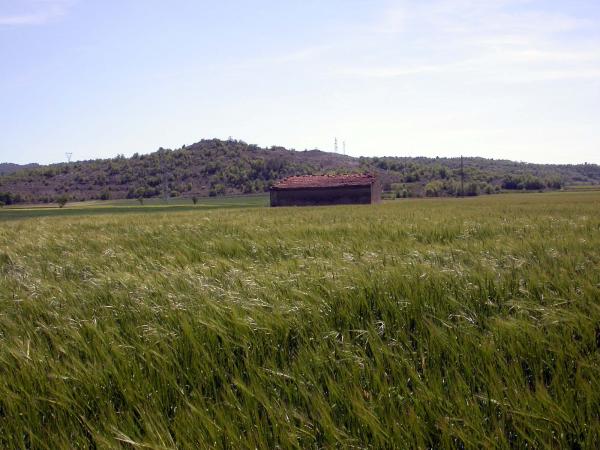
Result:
437,323
153,205
583,187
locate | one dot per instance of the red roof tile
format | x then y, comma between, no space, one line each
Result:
324,181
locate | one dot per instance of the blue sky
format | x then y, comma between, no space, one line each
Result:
515,79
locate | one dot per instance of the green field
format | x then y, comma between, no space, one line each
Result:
131,206
442,323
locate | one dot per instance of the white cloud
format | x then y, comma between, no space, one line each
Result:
501,41
31,13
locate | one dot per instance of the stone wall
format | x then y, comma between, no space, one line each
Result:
347,195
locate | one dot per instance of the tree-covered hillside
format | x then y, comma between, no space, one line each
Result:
8,168
215,167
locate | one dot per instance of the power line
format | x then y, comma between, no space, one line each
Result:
462,177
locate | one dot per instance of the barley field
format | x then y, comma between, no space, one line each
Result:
443,323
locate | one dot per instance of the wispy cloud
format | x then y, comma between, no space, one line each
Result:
31,13
292,56
391,71
492,40
482,70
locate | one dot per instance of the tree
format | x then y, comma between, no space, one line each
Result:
433,189
194,200
554,182
512,182
472,190
62,200
1,204
534,184
141,200
7,198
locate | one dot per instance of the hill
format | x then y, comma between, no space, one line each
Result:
215,167
8,168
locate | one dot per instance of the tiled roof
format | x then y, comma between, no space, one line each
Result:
324,181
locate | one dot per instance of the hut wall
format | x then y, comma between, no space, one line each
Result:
347,195
376,192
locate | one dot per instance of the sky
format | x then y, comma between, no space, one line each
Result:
503,79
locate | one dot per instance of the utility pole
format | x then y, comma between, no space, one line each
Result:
335,145
344,147
69,156
462,177
164,177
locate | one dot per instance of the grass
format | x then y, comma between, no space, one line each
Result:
412,324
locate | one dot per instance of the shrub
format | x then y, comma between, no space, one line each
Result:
62,200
